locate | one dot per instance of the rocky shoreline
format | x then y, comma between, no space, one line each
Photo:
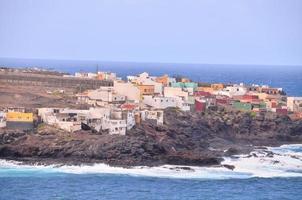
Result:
195,139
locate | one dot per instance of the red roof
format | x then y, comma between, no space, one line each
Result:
128,106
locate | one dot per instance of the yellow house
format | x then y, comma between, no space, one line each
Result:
205,89
19,117
19,120
217,86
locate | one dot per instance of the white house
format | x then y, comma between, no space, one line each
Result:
159,102
115,126
66,119
145,79
153,115
182,104
230,91
175,92
105,94
129,90
2,120
294,104
98,118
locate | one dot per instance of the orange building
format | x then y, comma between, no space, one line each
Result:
163,80
101,77
146,89
217,86
205,89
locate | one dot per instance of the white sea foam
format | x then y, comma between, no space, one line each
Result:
286,161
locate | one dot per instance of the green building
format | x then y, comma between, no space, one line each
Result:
185,85
242,106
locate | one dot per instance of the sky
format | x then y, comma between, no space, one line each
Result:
266,32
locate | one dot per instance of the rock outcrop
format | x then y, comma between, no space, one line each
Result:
185,139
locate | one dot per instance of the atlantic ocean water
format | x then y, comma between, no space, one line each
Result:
255,177
261,177
287,77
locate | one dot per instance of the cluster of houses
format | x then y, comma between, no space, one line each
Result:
100,75
118,108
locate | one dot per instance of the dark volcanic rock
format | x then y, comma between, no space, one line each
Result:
185,139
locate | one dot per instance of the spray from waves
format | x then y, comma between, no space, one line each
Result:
284,161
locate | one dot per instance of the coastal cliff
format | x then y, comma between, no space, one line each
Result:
186,138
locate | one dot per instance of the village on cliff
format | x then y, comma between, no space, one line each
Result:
117,108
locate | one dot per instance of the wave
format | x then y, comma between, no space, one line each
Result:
284,161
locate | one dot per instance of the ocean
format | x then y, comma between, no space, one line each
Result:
254,177
287,77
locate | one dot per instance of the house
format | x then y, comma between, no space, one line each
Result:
67,119
183,104
222,100
230,91
155,116
175,92
265,89
186,86
249,98
159,102
101,119
202,94
146,80
200,105
294,104
106,76
101,96
85,75
129,90
163,80
296,116
208,89
130,119
129,107
146,89
242,106
217,86
19,120
115,126
281,111
272,91
2,119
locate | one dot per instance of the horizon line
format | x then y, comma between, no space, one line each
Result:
147,62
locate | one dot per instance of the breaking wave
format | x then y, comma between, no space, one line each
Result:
284,161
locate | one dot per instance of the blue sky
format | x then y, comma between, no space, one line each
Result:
265,32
